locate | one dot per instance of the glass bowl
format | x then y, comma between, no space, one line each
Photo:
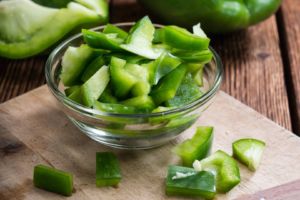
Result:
130,131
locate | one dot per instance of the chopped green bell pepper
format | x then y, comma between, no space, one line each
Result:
202,57
27,28
196,148
76,95
224,167
140,39
109,28
115,108
92,68
92,89
73,63
198,76
181,38
219,16
101,40
108,171
122,80
187,92
185,181
142,86
143,103
249,151
167,87
71,89
53,180
107,97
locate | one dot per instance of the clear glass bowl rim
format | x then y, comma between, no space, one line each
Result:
92,112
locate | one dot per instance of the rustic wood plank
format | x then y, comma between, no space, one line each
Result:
289,17
36,120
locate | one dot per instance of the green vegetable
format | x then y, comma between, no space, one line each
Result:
107,97
202,57
107,169
167,87
197,147
27,28
76,95
109,28
92,68
73,63
185,181
115,108
93,88
144,103
53,180
187,92
224,167
140,39
71,89
198,76
180,38
122,81
220,16
249,151
101,40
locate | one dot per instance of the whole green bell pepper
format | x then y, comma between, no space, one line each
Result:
215,16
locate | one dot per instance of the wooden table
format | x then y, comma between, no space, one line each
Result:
262,65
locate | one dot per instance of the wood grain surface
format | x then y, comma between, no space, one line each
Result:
34,130
290,20
254,70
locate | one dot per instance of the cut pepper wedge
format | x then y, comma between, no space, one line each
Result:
73,63
92,68
203,56
102,41
107,97
248,151
122,80
92,89
185,181
167,87
109,28
187,92
71,89
224,167
76,95
140,39
196,148
115,108
108,171
143,103
53,180
180,38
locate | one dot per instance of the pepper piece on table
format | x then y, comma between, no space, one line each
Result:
248,151
108,171
196,148
224,167
183,181
53,180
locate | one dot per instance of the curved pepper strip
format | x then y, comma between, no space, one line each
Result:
27,29
218,16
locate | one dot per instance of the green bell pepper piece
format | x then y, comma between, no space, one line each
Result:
162,66
143,103
27,28
122,80
167,87
140,39
224,167
109,28
101,40
187,92
115,108
185,181
181,38
92,89
71,89
248,151
203,56
73,63
142,86
76,95
92,68
219,16
53,180
196,148
198,76
108,171
107,97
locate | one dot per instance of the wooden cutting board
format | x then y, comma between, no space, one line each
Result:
33,130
